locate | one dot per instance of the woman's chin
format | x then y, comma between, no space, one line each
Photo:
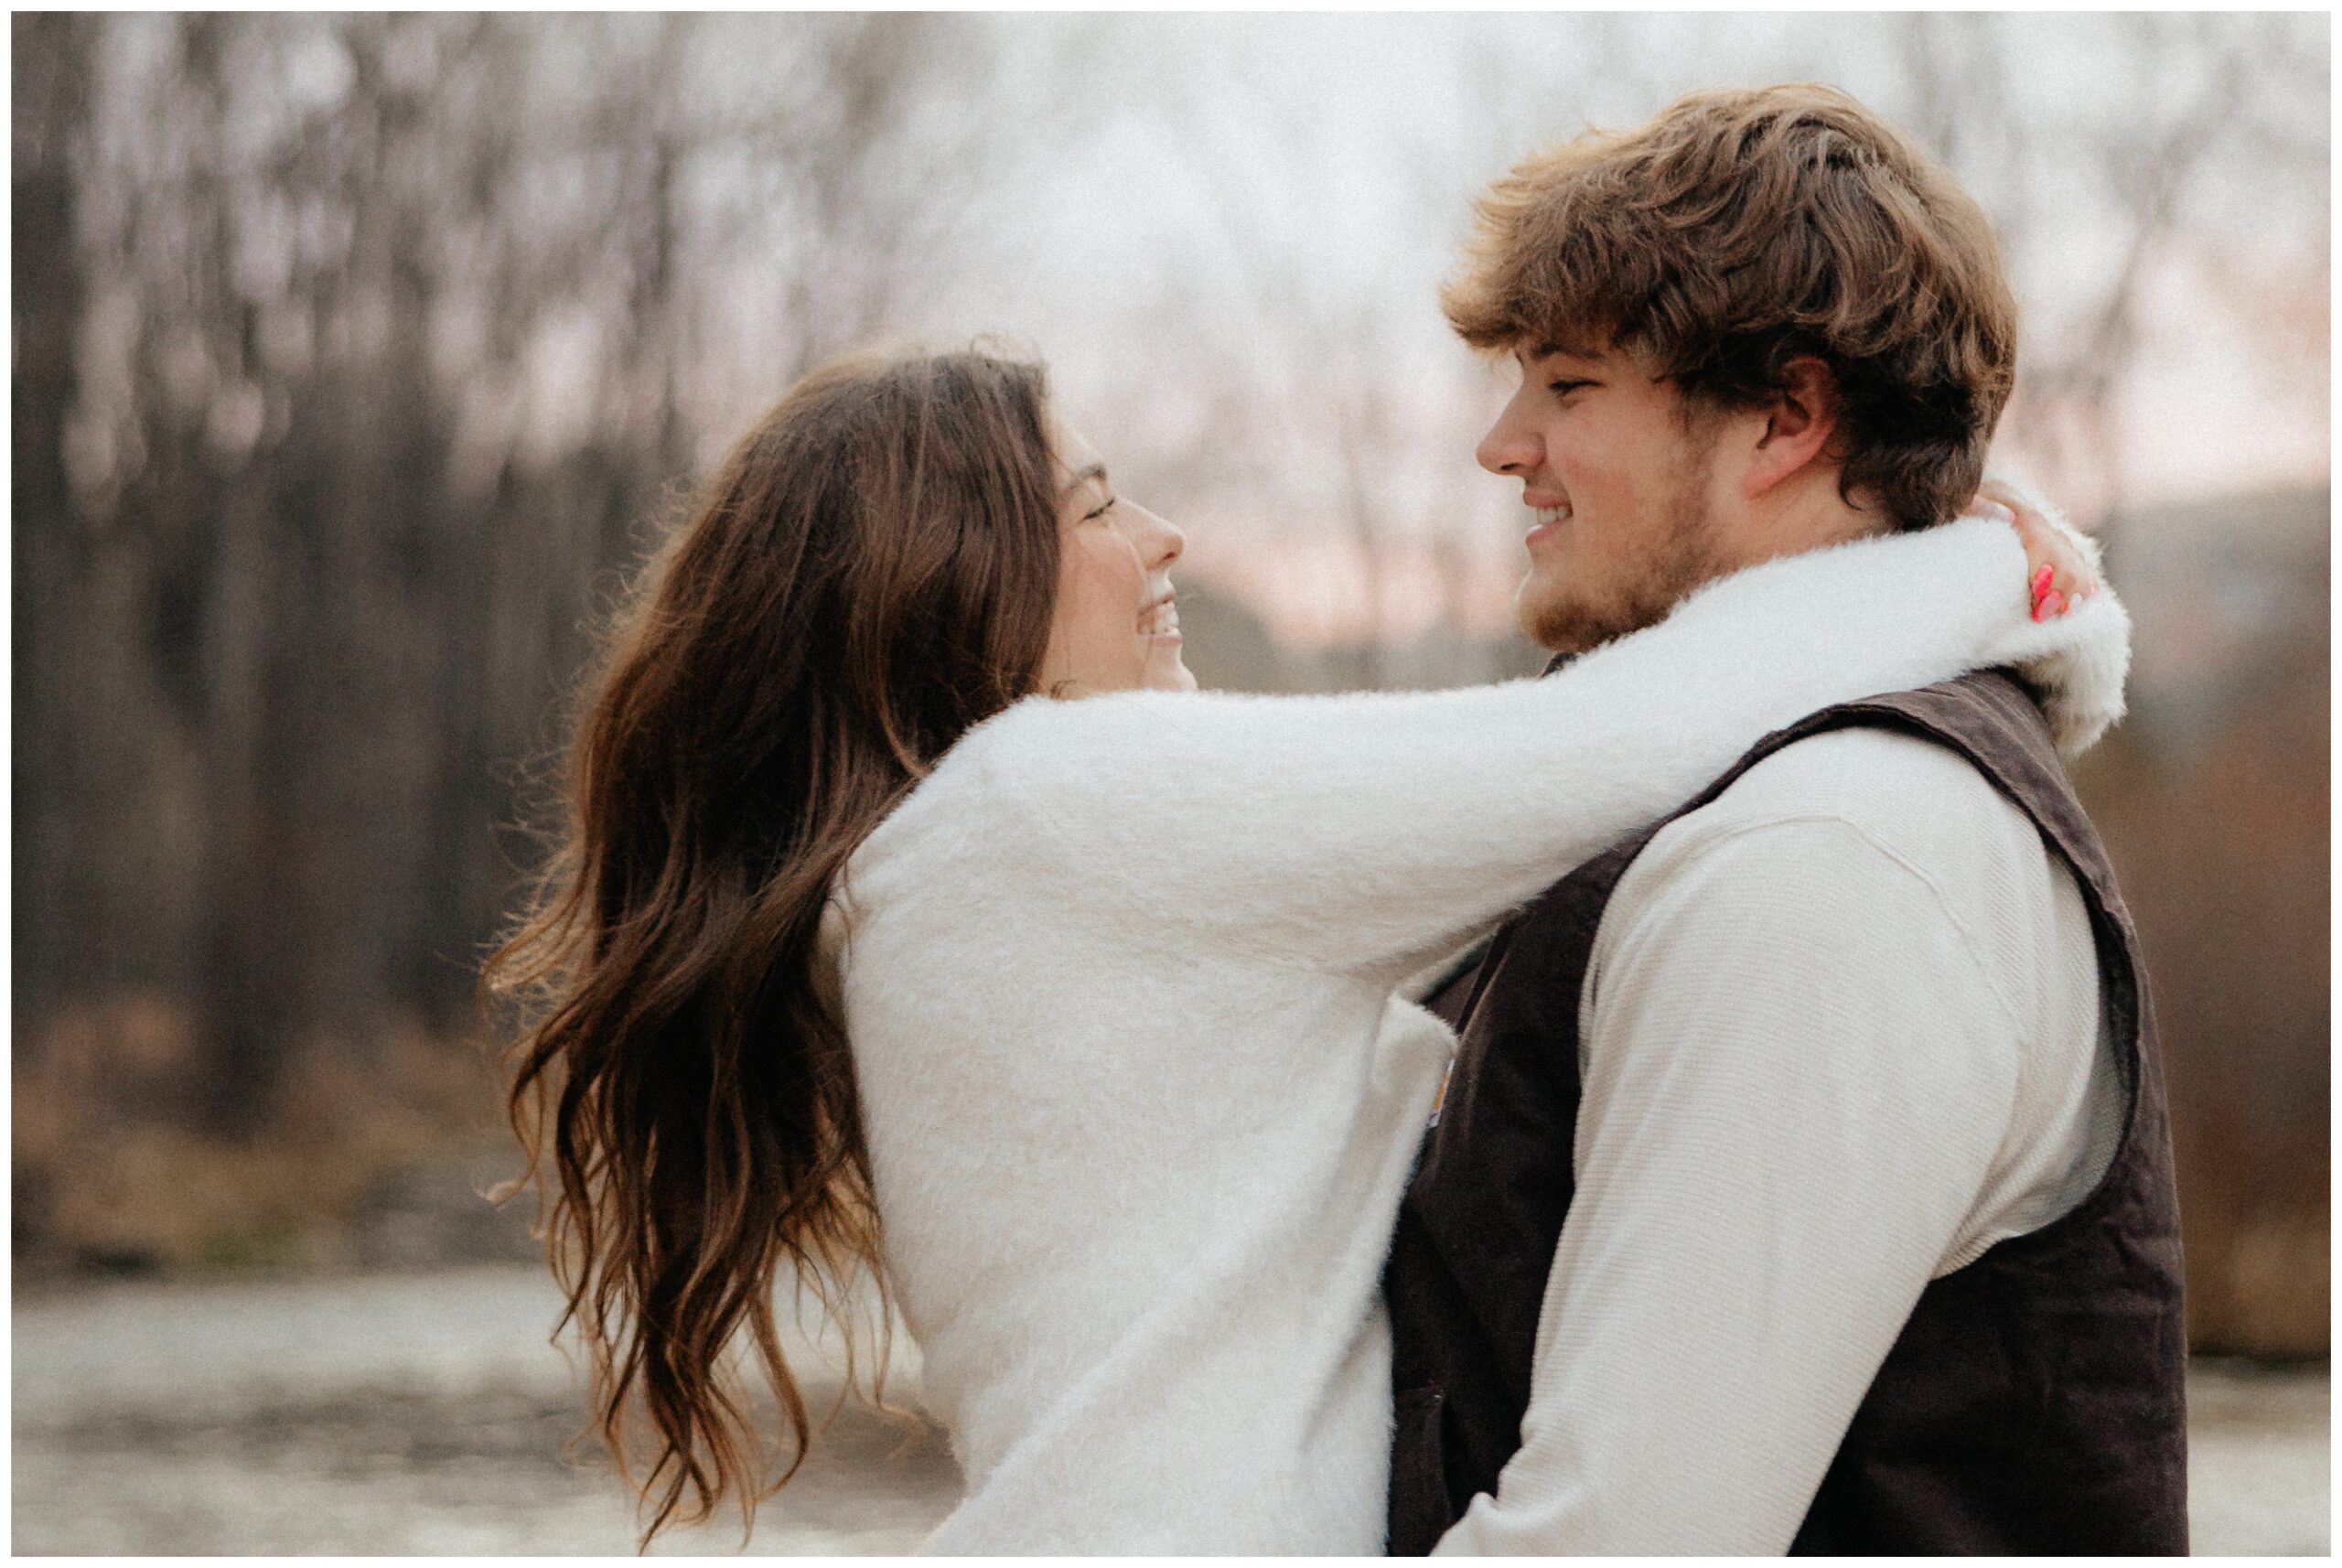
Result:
1166,669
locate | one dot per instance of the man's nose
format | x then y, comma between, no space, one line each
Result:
1510,447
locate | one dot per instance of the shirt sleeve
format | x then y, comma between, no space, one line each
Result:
1364,832
1797,1078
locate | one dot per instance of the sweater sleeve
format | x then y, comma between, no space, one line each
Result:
1359,832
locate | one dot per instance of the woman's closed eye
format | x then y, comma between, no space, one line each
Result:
1104,507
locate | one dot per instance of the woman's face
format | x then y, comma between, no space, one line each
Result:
1117,627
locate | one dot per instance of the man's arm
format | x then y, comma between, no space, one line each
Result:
1798,1078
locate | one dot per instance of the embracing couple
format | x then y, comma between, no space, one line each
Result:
1703,1100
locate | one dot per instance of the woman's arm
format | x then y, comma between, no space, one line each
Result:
1358,831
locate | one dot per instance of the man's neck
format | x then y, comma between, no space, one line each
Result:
1812,516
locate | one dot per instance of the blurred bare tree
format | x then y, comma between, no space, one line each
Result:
353,353
2231,97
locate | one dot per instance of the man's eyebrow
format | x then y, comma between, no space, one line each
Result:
1095,471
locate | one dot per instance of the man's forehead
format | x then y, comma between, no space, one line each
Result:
1536,351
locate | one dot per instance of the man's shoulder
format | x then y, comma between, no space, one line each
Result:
1864,803
1908,794
1851,839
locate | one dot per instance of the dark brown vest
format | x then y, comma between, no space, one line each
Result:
2035,1401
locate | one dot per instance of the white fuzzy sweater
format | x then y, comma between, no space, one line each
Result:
1120,977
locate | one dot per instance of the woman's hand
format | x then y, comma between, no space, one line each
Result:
2059,565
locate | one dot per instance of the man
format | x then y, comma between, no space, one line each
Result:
1802,1180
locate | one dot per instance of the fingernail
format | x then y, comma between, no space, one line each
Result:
2041,581
2041,609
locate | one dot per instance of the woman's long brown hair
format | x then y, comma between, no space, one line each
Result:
872,571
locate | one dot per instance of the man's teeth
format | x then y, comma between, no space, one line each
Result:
1160,620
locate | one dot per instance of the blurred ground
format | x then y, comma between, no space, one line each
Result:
424,1413
375,1414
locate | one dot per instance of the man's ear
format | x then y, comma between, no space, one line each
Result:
1799,424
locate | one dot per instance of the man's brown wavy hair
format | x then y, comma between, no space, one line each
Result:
872,573
1739,230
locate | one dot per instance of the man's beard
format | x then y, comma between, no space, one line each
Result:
1684,557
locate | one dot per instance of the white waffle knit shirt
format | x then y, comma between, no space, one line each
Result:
1140,1098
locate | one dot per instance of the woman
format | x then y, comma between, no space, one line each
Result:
1095,1003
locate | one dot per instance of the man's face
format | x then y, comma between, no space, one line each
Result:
1620,474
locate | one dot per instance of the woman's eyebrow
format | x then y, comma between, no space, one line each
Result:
1095,471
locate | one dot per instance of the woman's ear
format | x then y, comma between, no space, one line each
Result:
1799,424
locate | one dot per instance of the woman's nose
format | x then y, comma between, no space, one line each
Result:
1162,540
1510,447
